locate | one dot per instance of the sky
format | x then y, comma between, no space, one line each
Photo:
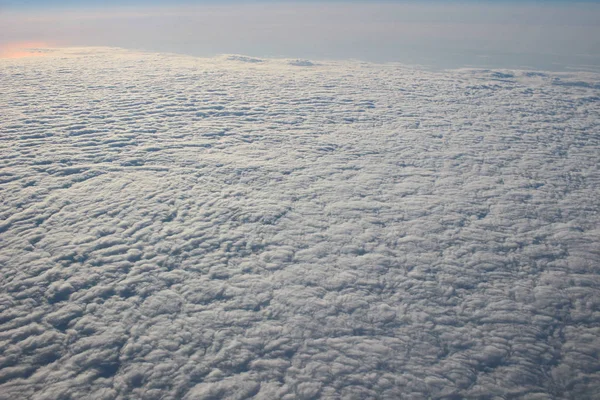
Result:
538,35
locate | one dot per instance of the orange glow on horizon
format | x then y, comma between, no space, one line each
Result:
22,49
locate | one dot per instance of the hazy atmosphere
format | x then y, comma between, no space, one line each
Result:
311,200
533,35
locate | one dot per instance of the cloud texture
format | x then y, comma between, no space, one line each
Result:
231,228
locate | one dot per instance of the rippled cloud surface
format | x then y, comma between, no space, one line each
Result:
231,228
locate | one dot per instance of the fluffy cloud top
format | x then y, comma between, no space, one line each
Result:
232,228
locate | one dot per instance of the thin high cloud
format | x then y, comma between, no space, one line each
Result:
553,36
23,49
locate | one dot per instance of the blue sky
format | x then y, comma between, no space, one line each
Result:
101,3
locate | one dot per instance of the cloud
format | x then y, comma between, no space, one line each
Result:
176,227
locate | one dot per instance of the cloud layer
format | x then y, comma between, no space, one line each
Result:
173,227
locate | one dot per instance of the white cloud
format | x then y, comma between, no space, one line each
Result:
177,227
